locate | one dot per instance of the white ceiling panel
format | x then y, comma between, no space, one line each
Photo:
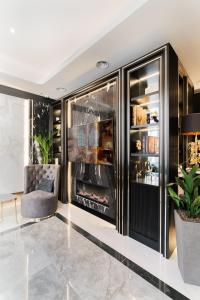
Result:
48,44
40,37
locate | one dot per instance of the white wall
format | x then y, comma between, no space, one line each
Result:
14,141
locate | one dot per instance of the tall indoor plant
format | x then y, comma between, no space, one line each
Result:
45,144
187,220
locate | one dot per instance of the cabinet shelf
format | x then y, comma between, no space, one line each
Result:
142,181
145,126
144,96
145,154
152,103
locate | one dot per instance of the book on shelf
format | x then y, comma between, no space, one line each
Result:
139,115
143,116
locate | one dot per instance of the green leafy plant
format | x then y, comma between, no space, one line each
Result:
45,144
189,199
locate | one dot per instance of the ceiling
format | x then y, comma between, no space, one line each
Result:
56,43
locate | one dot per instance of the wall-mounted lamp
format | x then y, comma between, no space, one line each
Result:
191,127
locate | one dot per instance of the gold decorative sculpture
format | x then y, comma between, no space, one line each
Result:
191,127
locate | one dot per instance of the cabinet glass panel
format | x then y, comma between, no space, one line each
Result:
91,148
144,93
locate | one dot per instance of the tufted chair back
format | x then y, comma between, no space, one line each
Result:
34,173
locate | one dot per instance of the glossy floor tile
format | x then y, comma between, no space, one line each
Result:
9,218
51,260
150,260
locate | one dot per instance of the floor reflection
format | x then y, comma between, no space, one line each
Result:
50,260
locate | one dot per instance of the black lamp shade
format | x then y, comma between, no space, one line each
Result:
191,124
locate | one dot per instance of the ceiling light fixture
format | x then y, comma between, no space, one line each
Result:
102,64
12,30
61,89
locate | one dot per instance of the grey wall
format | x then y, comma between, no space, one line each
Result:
13,132
14,142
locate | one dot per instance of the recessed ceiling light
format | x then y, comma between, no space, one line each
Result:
102,64
12,30
61,89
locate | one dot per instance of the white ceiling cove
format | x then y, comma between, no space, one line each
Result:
56,43
40,37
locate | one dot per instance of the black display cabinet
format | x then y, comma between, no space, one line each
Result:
121,146
58,127
57,142
151,88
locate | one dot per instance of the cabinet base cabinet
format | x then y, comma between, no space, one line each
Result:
145,214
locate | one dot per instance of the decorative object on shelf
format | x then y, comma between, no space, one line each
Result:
45,144
56,160
148,169
140,116
148,118
58,119
146,172
137,146
91,143
154,117
191,127
57,130
187,221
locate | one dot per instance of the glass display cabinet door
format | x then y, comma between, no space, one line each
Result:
144,151
144,123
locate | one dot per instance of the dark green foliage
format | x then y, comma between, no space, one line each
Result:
45,144
189,199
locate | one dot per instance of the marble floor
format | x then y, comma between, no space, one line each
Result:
50,260
148,259
42,254
9,218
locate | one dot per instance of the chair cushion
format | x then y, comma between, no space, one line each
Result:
38,204
38,195
46,185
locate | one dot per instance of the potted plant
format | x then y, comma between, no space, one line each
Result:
45,144
187,222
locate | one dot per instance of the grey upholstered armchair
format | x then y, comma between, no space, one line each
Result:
37,203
